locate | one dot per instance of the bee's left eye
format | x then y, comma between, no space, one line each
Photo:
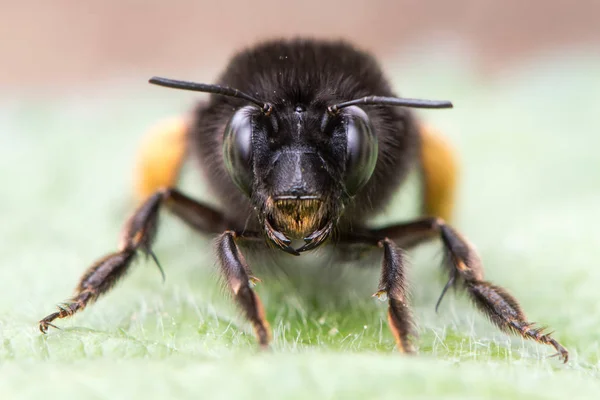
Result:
361,149
237,149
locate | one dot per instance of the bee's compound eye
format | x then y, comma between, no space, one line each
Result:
237,149
361,155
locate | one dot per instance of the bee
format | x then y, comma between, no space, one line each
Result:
302,142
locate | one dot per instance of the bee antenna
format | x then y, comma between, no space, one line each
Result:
216,89
391,101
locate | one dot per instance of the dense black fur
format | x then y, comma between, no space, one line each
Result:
316,74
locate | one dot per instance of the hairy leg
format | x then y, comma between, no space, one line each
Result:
465,269
392,283
393,286
138,235
239,279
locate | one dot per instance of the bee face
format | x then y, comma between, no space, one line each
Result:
299,167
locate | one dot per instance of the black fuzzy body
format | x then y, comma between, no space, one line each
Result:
316,74
305,161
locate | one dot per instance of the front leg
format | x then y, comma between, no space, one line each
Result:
239,279
393,286
137,235
465,267
392,283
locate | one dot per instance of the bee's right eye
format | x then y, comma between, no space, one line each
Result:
237,149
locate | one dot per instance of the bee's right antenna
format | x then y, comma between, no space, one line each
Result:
216,89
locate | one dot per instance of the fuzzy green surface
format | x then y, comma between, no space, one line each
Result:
529,200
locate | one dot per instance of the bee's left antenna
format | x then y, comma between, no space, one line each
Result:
390,101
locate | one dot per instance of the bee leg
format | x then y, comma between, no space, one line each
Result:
98,279
393,286
239,279
464,266
137,234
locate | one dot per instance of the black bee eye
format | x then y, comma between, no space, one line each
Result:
361,150
237,149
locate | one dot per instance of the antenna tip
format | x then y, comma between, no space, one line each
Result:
442,104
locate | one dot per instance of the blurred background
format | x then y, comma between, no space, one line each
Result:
524,77
66,44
